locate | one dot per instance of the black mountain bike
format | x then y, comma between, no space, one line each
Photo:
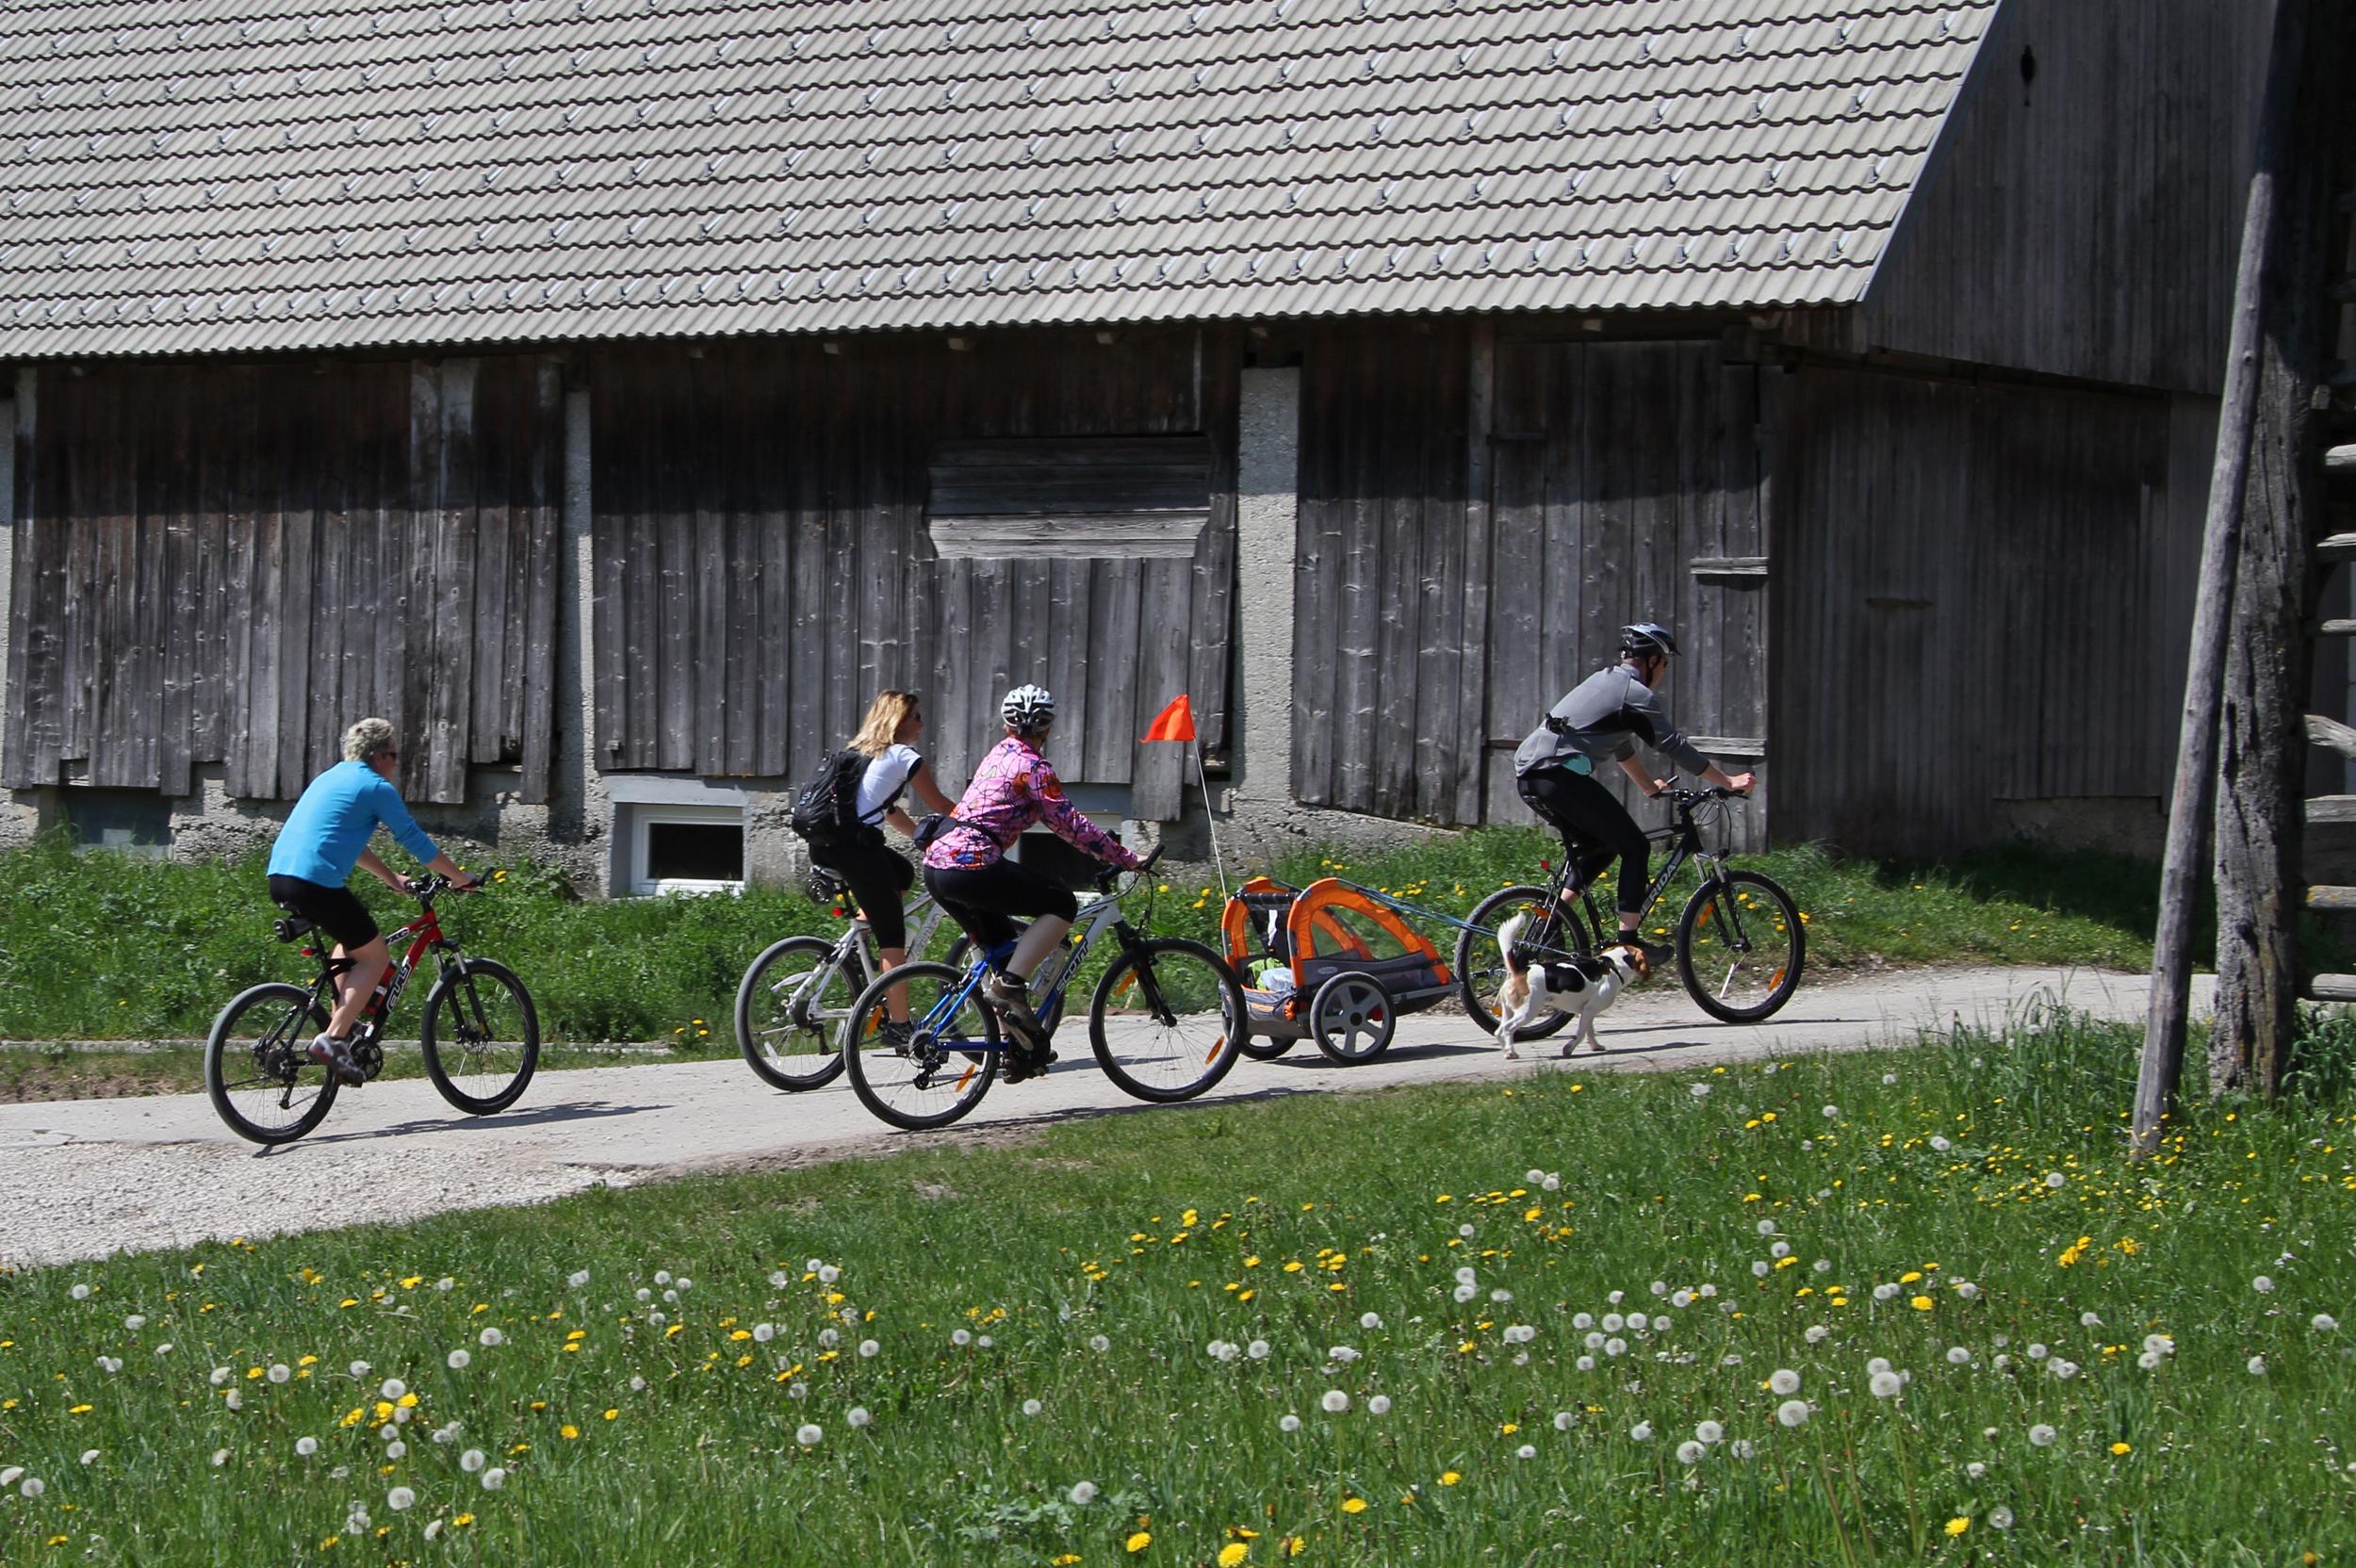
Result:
1739,943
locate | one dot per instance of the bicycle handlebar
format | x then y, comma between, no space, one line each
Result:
1110,876
425,889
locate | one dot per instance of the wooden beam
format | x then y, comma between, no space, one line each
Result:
2340,462
2332,987
2330,810
2336,629
2277,153
2327,732
2338,899
2336,546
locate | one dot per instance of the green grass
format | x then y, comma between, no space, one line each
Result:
1052,1311
98,947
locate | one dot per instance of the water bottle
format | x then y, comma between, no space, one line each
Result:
1049,972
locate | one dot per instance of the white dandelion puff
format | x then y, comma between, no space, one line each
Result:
2000,1518
1334,1402
490,1338
1691,1452
2043,1436
1379,1405
2262,1285
1257,1349
1288,1423
471,1460
1783,1380
2257,1366
1958,1356
858,1416
1099,1343
458,1359
306,1446
1816,1334
494,1478
1885,1385
1032,1407
1370,1320
80,1293
1527,1450
400,1500
1082,1493
869,1349
1792,1412
1642,1431
809,1434
2323,1323
579,1278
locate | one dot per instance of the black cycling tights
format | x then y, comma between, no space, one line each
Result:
980,898
1587,815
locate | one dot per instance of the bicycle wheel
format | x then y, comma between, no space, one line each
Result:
480,1036
946,1066
258,1071
789,1009
1481,968
1352,1019
1166,1020
1740,945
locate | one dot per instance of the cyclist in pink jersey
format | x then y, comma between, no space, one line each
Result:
966,870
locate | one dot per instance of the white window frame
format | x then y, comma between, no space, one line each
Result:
643,818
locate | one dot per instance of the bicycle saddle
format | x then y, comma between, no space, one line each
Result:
292,926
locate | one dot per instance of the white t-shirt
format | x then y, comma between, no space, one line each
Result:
884,780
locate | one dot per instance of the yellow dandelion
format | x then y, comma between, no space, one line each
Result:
1958,1525
1138,1541
2122,1449
1233,1553
1449,1477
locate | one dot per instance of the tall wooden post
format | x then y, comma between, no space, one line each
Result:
2268,672
2220,550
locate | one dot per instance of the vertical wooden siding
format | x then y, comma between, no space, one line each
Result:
762,565
2083,223
1478,520
226,564
1978,599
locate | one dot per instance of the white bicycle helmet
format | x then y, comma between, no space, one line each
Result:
1028,707
1648,637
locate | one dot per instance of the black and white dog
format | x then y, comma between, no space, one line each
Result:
1581,987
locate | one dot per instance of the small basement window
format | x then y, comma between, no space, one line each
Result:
681,849
126,822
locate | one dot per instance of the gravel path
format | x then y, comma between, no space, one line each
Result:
85,1178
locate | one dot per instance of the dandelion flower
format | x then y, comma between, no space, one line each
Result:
1257,1349
1709,1431
358,1369
1586,1364
1288,1423
491,1338
1099,1343
306,1446
2257,1366
1233,1554
1691,1452
400,1500
1334,1402
1526,1451
458,1359
869,1349
394,1388
2121,1450
2043,1436
579,1278
858,1416
1959,1524
1832,1113
809,1434
2323,1323
2262,1285
2089,1320
1885,1385
1032,1407
1082,1493
1370,1320
395,1450
494,1478
280,1372
90,1456
1138,1541
31,1486
2000,1518
1958,1356
1792,1412
1642,1431
470,1462
80,1293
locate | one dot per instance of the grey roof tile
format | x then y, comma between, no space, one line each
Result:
223,176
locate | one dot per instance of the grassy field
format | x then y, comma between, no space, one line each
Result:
97,947
1863,1310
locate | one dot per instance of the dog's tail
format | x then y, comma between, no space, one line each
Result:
1509,938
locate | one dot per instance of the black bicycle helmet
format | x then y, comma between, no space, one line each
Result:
1648,637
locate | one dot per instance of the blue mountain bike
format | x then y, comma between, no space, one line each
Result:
1166,1020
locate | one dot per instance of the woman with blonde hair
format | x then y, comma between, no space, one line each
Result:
878,876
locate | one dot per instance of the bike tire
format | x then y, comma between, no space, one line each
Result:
789,1038
1771,940
485,1076
1352,1019
1194,1019
900,1086
1265,1047
285,1019
1481,968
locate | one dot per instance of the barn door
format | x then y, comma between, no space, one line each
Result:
1624,484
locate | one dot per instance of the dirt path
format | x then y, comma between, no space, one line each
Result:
84,1178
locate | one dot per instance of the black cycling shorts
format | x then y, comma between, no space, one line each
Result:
336,912
981,897
879,879
1596,828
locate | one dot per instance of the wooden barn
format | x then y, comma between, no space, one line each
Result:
614,393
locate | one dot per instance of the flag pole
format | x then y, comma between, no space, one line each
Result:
1219,861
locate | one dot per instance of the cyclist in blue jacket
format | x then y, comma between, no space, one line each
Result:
325,836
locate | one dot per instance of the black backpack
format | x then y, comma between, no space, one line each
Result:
826,807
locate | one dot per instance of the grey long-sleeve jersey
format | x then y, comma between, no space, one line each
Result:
1606,714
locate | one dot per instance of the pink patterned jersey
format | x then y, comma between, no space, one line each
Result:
1012,789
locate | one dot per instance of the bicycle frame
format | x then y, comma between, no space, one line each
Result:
853,951
1684,838
1088,925
424,935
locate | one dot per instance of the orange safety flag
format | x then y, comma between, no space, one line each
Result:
1173,723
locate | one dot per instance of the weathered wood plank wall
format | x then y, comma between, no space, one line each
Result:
1480,513
2069,222
763,564
228,563
1979,597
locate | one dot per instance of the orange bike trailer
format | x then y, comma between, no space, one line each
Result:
1332,962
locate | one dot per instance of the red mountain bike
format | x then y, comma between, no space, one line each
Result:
481,1037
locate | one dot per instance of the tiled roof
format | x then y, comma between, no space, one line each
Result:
192,176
